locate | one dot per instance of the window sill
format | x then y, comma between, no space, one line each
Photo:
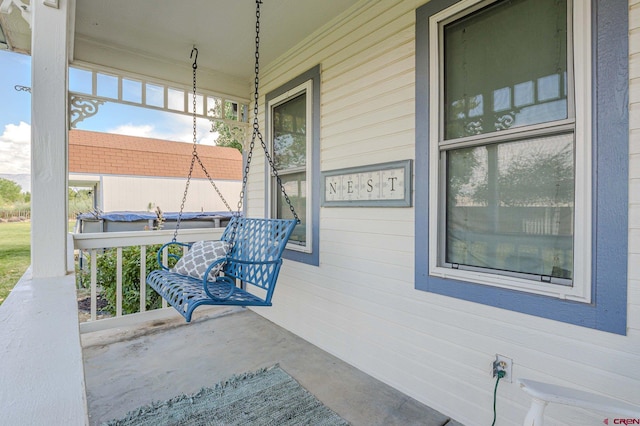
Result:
513,283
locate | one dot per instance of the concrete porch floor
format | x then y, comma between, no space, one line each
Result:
129,367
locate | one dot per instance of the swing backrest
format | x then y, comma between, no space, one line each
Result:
256,254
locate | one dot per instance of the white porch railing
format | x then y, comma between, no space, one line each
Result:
94,244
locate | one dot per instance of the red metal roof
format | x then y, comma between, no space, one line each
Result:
105,153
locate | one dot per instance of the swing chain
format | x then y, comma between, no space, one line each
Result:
194,154
256,130
195,151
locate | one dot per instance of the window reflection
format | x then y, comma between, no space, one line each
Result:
505,66
295,184
290,133
510,206
290,158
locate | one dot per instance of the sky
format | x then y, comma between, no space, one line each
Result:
15,113
15,118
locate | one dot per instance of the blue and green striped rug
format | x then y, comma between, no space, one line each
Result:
266,397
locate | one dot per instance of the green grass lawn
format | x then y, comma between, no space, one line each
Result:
15,254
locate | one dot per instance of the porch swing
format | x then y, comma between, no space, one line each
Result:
247,256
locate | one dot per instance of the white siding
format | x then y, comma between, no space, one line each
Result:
634,167
135,193
360,303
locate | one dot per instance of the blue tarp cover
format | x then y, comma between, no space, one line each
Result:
136,216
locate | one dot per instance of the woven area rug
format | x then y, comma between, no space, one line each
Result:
266,397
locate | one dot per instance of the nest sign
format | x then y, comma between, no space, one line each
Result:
387,184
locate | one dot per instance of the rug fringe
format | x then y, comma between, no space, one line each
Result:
219,387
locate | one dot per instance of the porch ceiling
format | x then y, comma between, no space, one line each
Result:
223,30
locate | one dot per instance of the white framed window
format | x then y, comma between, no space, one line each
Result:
510,145
291,139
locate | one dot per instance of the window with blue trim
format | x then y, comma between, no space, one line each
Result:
292,116
511,170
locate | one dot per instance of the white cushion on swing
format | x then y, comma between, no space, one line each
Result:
202,254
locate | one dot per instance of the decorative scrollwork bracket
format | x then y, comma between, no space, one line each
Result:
241,134
81,108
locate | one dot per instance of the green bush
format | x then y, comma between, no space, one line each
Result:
10,191
21,210
106,277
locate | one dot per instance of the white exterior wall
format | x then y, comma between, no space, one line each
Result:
136,192
360,303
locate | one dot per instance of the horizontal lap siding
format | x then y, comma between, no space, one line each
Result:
634,167
137,193
360,303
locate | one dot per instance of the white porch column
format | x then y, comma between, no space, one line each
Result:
49,53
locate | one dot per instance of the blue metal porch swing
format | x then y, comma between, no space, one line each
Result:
252,247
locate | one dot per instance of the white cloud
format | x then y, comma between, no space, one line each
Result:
15,141
181,130
184,130
15,149
144,131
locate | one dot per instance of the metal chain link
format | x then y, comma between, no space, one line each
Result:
256,129
194,154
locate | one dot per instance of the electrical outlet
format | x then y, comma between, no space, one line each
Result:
502,363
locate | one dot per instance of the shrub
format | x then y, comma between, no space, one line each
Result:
106,277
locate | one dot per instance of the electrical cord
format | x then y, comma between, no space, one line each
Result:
500,375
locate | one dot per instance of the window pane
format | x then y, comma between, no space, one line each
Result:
175,99
107,86
155,95
231,110
505,66
131,90
199,103
289,152
510,206
295,184
214,106
80,81
290,133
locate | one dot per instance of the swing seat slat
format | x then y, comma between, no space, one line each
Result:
254,262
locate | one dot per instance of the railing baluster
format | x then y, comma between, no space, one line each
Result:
143,278
95,244
165,260
94,284
119,281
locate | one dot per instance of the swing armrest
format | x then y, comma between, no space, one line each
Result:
169,255
210,267
205,282
254,262
228,280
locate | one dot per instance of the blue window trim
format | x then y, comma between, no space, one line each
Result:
610,175
313,74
